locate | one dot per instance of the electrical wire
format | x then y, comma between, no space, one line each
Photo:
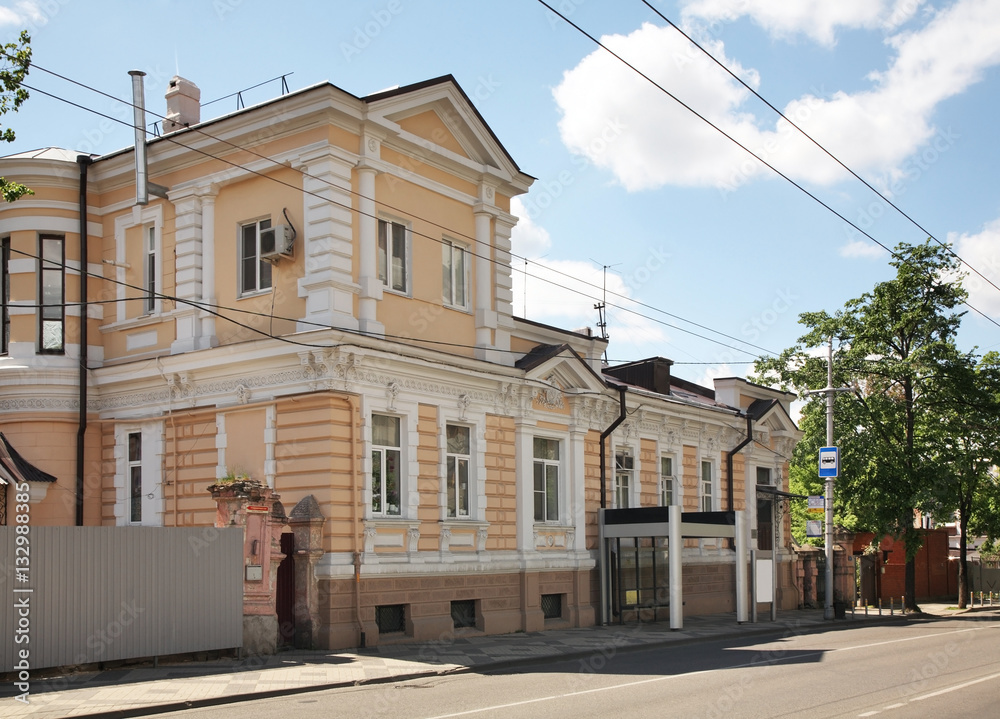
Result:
743,147
821,147
423,219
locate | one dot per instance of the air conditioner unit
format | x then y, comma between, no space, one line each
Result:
276,242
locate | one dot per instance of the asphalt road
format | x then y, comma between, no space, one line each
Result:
937,668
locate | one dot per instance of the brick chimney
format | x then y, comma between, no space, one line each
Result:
183,104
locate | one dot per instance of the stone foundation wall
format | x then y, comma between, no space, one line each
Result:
504,603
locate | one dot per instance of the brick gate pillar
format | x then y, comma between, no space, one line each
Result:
249,504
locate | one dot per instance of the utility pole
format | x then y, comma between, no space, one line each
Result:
829,391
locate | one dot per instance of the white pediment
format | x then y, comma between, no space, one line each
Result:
567,372
438,114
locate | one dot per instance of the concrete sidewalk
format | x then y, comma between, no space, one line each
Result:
141,690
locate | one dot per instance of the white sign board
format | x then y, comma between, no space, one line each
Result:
814,527
817,503
763,580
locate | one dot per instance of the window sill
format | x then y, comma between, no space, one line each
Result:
464,309
463,522
390,521
254,293
398,293
140,321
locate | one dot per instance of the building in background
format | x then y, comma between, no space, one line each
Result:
321,301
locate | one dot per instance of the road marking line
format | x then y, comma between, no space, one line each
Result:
910,639
895,706
939,692
571,694
745,665
869,714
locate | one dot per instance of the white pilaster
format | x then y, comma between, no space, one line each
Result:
486,317
327,285
188,269
504,292
576,483
523,433
371,285
208,296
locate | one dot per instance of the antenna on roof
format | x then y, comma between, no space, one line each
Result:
602,322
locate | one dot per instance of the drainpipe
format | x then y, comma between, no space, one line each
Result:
729,460
604,435
84,162
356,494
601,544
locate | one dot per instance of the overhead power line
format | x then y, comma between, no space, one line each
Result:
742,146
172,139
821,147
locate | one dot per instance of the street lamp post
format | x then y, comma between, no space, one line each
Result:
829,391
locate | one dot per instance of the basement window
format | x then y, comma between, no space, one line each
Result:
463,613
552,606
391,618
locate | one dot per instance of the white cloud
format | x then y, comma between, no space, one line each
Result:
816,19
563,292
528,239
862,248
874,131
21,13
982,251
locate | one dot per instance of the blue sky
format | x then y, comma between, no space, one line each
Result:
903,91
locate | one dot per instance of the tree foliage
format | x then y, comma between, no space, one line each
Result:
13,69
964,482
890,345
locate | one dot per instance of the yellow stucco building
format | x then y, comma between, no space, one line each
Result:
321,300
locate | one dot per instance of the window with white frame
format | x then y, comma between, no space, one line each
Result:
4,295
149,270
386,466
135,492
139,455
453,273
764,475
255,273
52,291
392,255
707,487
546,472
624,469
458,456
666,481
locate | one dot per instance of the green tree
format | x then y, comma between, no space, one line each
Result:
968,452
13,69
890,343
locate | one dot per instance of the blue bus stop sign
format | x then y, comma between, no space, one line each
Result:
829,461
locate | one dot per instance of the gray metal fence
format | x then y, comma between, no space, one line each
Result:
78,595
